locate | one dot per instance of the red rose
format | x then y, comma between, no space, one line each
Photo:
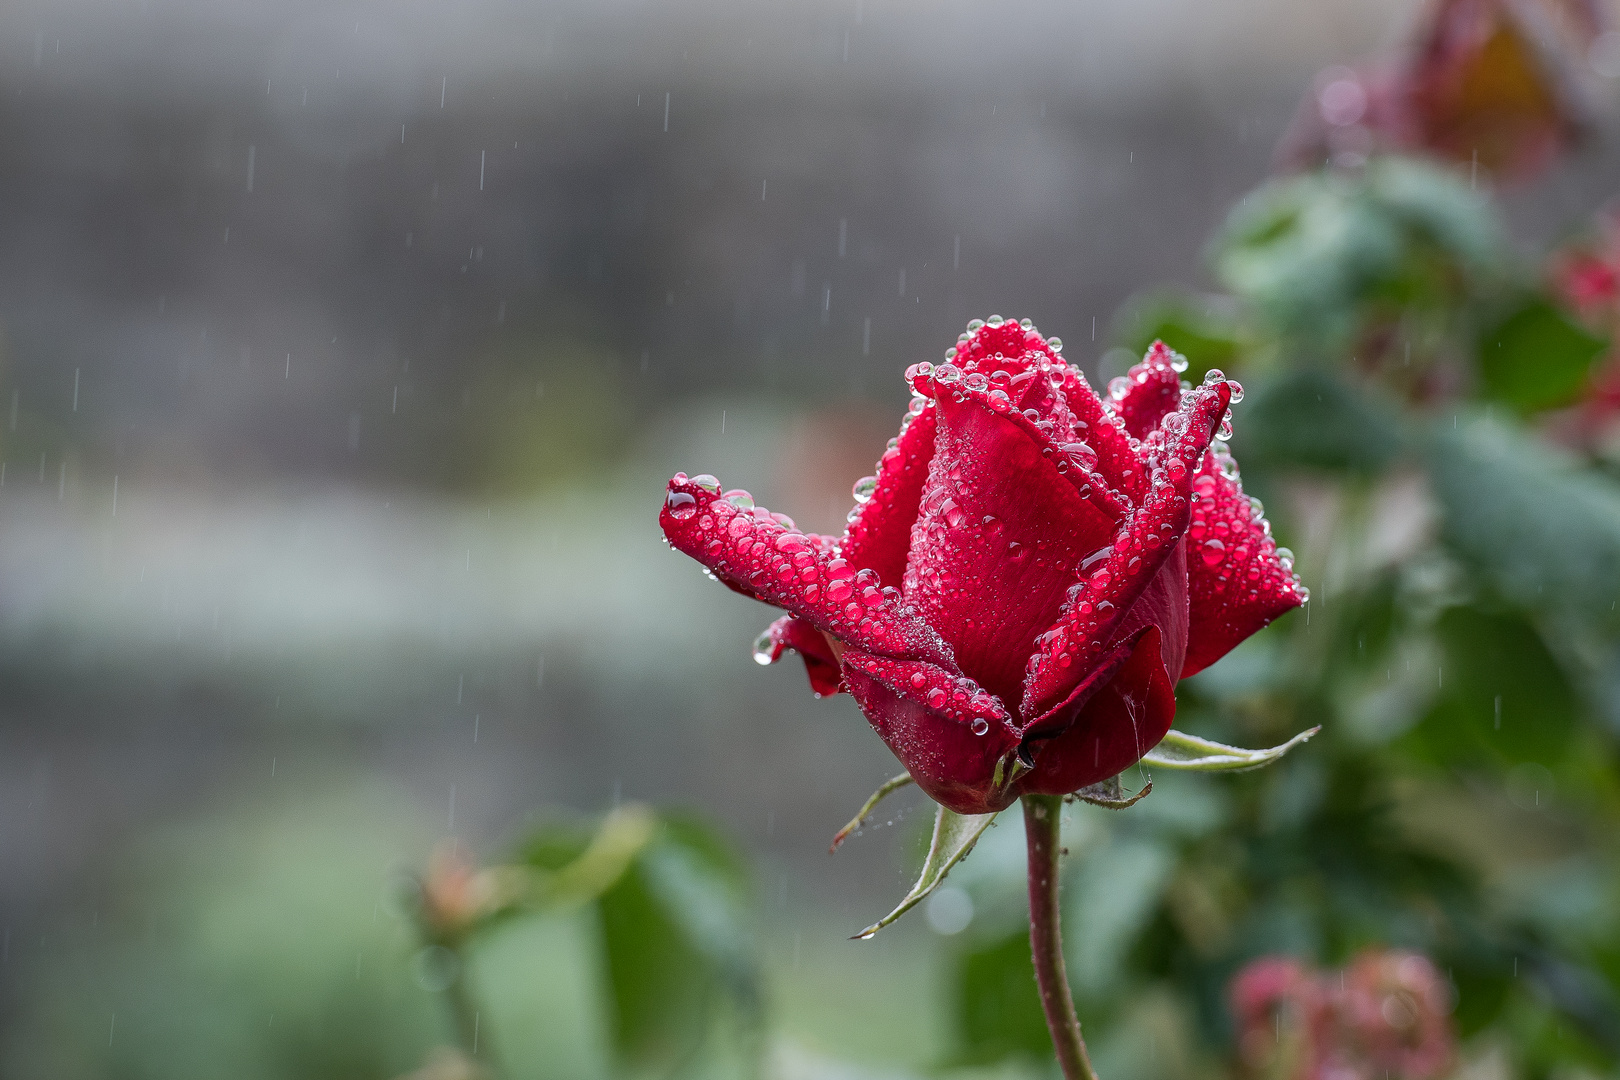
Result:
1027,575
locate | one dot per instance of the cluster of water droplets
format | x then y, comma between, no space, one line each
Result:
767,553
1236,544
952,696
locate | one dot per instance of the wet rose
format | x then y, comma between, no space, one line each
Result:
1026,575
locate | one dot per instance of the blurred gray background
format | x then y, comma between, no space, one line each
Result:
345,350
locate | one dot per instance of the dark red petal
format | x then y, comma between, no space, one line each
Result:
950,734
1114,594
1120,723
1152,390
998,536
879,535
1236,581
749,548
1118,458
793,633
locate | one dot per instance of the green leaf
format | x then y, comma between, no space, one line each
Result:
1114,890
617,841
889,787
998,1005
1311,417
1320,253
954,836
1543,532
677,942
1182,751
1536,358
1502,696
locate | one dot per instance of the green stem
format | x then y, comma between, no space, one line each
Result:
1042,814
471,1032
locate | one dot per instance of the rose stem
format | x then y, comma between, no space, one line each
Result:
1042,814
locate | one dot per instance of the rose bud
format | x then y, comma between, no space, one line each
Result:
1026,575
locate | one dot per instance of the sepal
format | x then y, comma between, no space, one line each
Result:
1179,750
889,788
954,836
1110,794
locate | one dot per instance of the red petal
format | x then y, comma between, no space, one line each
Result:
749,548
1236,582
879,537
1118,458
796,634
1152,391
928,718
998,536
1114,595
1120,723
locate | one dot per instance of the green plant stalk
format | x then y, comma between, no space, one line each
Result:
1042,817
471,1032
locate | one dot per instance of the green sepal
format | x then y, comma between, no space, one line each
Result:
1183,751
954,836
1110,793
889,788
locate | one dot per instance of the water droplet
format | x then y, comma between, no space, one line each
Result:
936,698
1027,324
763,647
994,320
1118,387
1237,390
947,374
1224,432
976,381
975,325
740,499
1213,376
1257,509
682,505
953,513
979,725
1081,453
1214,551
950,353
1055,344
1178,363
707,483
865,487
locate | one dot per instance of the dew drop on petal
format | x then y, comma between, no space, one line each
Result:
979,725
707,483
1213,376
1237,390
865,487
1214,551
1118,387
682,505
936,698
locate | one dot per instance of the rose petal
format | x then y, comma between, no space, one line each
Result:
1120,722
997,539
1153,390
879,536
820,664
749,548
1236,582
951,735
1115,580
1119,460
